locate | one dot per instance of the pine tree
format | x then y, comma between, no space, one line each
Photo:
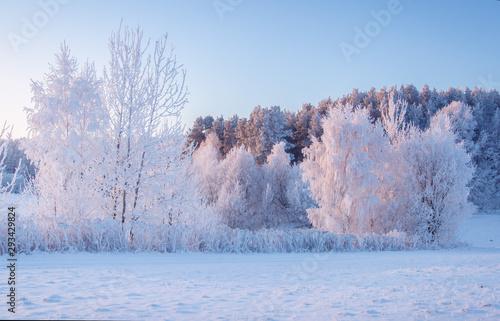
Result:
196,134
230,139
300,133
265,127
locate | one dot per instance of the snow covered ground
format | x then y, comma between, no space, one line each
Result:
462,284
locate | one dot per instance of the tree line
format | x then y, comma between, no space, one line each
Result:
477,123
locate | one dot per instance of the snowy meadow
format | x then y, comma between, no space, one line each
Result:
444,284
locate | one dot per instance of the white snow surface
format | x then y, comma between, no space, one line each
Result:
459,284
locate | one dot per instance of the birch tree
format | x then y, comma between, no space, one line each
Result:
65,138
342,171
425,193
145,92
439,173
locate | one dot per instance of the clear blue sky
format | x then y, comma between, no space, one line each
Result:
263,52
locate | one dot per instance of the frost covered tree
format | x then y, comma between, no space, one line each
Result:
16,160
286,197
342,171
266,127
393,120
248,195
197,133
242,185
241,132
486,183
66,139
425,187
315,127
395,194
230,139
146,160
463,123
115,146
207,162
439,174
6,186
300,125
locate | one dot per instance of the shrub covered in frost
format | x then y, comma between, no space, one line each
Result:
104,235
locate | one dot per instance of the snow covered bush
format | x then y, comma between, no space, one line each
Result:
342,169
286,197
242,185
248,195
426,189
208,174
48,234
440,173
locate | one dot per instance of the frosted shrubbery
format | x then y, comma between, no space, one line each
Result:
248,195
104,235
